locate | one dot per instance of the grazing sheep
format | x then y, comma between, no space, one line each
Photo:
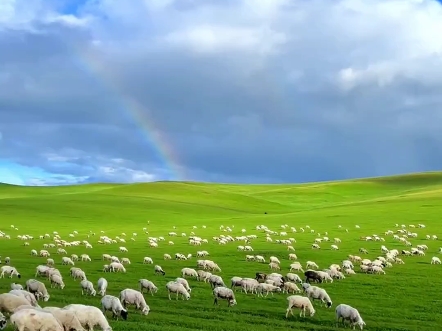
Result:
293,277
159,270
38,289
132,297
35,320
189,272
102,286
66,317
215,281
78,274
267,288
303,303
314,292
178,288
224,293
87,287
15,286
9,271
56,281
435,260
148,285
184,282
9,302
274,266
27,295
203,275
290,287
311,264
90,316
147,260
113,304
312,275
117,267
346,312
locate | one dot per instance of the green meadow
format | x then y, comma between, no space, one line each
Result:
406,298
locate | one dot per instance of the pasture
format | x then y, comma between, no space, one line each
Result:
406,298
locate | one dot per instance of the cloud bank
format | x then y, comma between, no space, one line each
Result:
232,90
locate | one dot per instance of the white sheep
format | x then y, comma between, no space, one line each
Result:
435,260
15,286
267,288
184,282
102,286
117,267
224,293
147,260
113,304
56,281
303,303
148,285
132,297
89,316
9,302
203,275
178,288
290,287
311,265
159,270
7,270
189,272
293,277
215,281
66,317
87,287
38,289
27,295
77,273
314,292
67,261
35,320
346,312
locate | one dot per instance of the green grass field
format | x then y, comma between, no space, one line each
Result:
403,299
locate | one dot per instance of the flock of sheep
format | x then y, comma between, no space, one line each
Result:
21,303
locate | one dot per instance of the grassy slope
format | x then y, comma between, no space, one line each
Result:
391,302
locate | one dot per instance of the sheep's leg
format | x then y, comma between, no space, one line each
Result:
170,297
177,294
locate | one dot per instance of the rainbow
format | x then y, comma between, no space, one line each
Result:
137,114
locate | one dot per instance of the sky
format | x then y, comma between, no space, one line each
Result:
246,91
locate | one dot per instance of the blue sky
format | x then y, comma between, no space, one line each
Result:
239,90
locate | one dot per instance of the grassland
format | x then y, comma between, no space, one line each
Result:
398,301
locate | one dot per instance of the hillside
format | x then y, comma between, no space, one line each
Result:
132,214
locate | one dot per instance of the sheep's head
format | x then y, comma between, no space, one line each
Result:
145,311
329,304
232,302
46,297
123,314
